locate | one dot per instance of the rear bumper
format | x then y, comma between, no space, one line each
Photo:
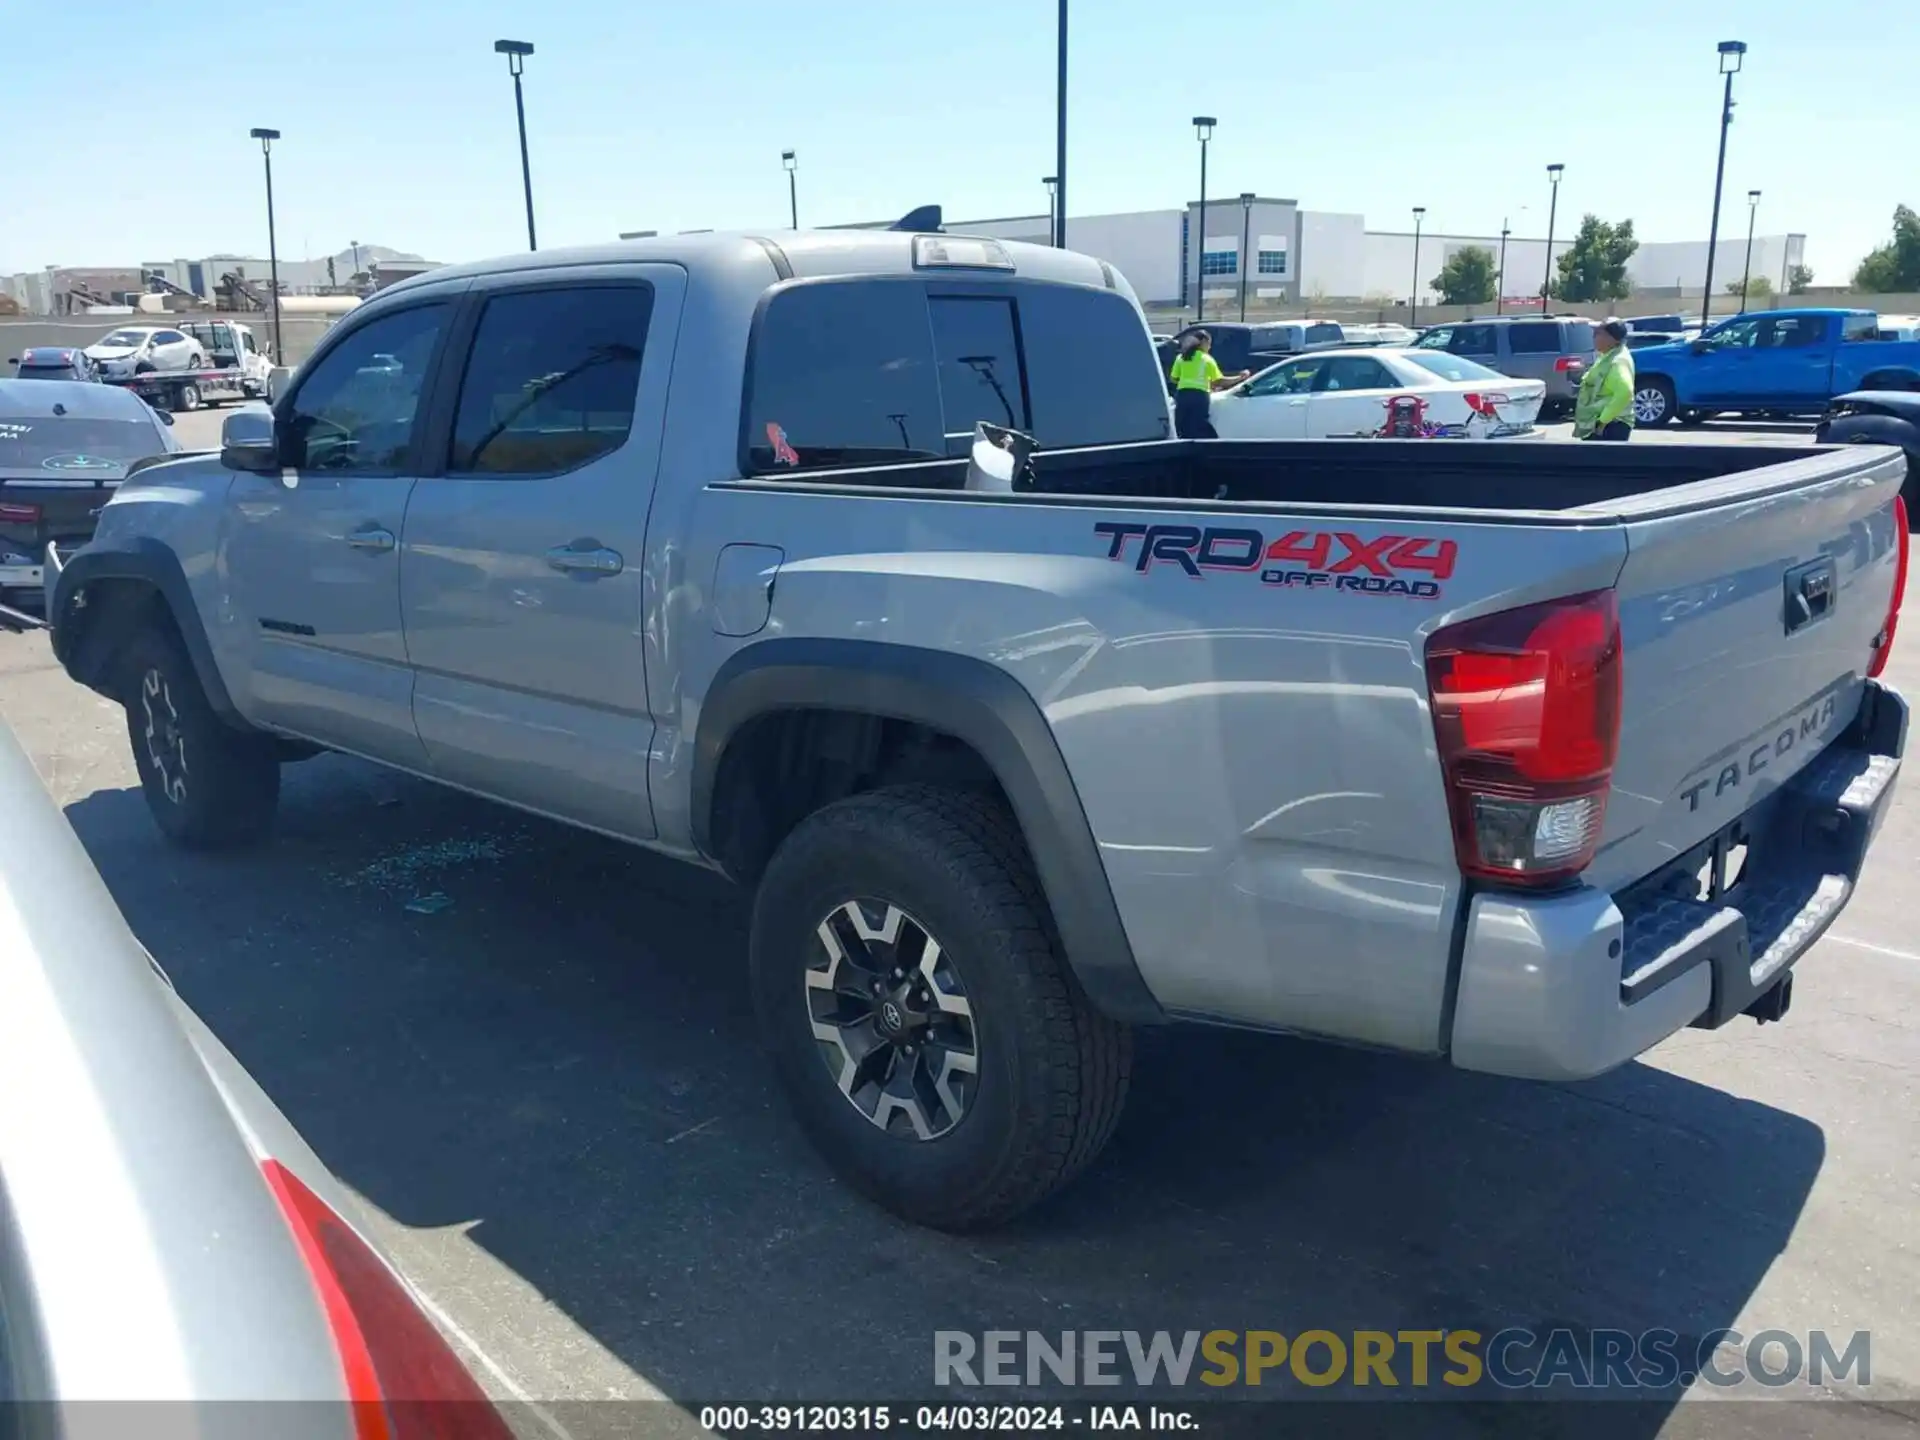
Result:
1568,986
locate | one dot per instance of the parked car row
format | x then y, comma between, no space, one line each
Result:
1378,391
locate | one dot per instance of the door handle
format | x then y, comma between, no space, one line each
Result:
372,538
591,563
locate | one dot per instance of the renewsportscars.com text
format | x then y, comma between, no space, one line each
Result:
1447,1360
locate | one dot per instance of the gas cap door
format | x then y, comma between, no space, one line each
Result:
743,577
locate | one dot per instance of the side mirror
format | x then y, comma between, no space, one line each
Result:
166,416
13,359
249,441
1699,347
277,380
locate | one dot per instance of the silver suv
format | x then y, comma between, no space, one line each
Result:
1557,349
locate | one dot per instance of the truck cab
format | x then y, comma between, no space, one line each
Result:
231,345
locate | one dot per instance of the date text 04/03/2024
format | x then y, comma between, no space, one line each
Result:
742,1420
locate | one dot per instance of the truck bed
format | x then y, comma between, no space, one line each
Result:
1535,482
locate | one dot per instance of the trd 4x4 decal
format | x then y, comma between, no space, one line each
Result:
1407,565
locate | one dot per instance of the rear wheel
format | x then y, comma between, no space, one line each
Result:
188,396
207,784
1653,401
932,1041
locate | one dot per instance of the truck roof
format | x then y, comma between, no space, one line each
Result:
805,254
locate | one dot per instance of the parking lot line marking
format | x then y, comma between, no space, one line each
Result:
1876,949
493,1367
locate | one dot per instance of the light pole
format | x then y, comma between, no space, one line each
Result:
792,163
1060,139
1553,213
1500,280
266,139
356,263
516,52
1746,276
1413,295
1053,208
1246,232
1203,129
1732,53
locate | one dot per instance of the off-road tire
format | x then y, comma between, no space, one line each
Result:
218,788
1053,1071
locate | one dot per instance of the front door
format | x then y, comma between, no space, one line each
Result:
311,552
1271,406
1727,370
521,565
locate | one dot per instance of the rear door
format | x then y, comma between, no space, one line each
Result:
520,565
1350,396
1731,683
1797,360
1534,348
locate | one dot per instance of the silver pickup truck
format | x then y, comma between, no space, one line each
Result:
1520,758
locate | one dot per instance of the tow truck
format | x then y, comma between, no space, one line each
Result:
239,370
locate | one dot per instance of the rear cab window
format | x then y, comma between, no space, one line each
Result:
869,370
1325,334
1861,327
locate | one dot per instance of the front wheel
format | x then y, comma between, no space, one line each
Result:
188,396
932,1041
1653,401
207,784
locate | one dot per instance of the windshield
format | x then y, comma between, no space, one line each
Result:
1453,367
127,339
69,448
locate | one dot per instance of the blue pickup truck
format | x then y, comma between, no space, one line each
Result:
1786,362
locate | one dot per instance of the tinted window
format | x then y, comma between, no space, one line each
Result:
1277,337
1090,371
1864,327
1355,372
843,374
1474,340
168,337
1795,331
355,411
1734,335
1436,339
1294,377
551,380
1537,337
1579,336
978,352
1324,334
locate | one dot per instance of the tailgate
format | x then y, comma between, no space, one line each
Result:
33,512
1749,607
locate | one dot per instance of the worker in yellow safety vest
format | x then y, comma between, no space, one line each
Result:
1196,375
1604,410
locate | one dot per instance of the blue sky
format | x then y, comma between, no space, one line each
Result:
398,117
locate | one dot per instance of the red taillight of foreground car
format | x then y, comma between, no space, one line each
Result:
1526,710
12,512
403,1379
1903,541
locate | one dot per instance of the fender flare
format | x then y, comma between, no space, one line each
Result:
77,640
980,705
1909,379
1882,430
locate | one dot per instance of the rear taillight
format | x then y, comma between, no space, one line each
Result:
15,513
1526,710
1903,540
403,1379
1569,362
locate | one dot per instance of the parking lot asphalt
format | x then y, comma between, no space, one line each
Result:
549,1092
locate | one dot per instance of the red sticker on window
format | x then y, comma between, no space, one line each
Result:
783,453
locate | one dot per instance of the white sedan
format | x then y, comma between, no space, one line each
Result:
1373,392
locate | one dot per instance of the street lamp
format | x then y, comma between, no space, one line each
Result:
1246,232
1413,296
516,52
266,139
1553,213
1060,139
1203,130
788,159
1753,208
1053,209
355,244
1732,53
1500,280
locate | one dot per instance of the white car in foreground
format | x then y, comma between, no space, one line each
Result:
1370,392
